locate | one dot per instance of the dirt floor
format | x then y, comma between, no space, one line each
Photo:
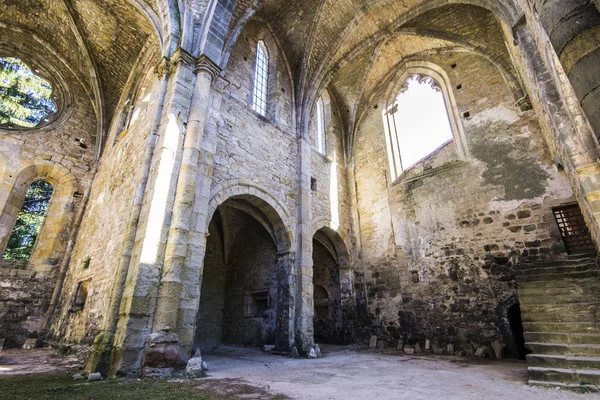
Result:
349,374
236,373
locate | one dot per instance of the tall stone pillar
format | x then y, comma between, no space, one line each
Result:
573,27
286,277
304,262
174,323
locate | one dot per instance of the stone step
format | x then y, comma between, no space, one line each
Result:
584,307
559,299
566,327
566,386
564,283
571,260
562,337
565,375
567,349
555,277
519,270
559,317
561,361
562,290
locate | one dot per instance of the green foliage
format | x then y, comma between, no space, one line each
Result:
30,219
63,387
25,98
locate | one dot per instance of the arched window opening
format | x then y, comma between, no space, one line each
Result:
416,124
321,141
26,99
261,79
29,221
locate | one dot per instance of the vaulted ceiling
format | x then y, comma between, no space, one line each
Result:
349,46
99,41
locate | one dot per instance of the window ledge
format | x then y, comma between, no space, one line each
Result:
325,157
407,178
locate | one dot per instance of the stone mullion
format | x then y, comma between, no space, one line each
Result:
143,276
304,262
580,160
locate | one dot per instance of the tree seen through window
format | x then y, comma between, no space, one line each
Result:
25,98
29,221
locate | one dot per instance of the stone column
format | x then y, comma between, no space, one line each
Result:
348,302
576,147
304,263
286,277
170,329
139,294
573,27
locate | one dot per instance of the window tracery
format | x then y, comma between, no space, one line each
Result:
261,79
416,124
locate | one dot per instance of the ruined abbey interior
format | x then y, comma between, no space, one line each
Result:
183,174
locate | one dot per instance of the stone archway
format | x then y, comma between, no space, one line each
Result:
246,294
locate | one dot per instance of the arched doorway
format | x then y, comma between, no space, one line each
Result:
244,298
332,298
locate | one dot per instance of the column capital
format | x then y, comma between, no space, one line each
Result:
181,56
205,64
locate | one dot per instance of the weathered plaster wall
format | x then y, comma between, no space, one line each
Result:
440,245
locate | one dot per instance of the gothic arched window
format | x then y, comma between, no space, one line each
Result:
321,141
29,221
261,79
416,124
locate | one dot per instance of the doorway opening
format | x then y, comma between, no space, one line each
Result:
240,289
515,322
327,319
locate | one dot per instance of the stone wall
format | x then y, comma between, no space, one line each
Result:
328,306
330,193
61,153
209,326
253,149
25,298
109,211
251,276
440,245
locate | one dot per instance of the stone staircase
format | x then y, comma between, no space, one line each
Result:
560,307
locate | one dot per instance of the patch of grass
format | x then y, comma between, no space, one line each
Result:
50,387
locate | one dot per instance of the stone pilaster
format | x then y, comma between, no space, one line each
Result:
304,263
139,296
179,285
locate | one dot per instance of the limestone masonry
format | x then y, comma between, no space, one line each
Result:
183,216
